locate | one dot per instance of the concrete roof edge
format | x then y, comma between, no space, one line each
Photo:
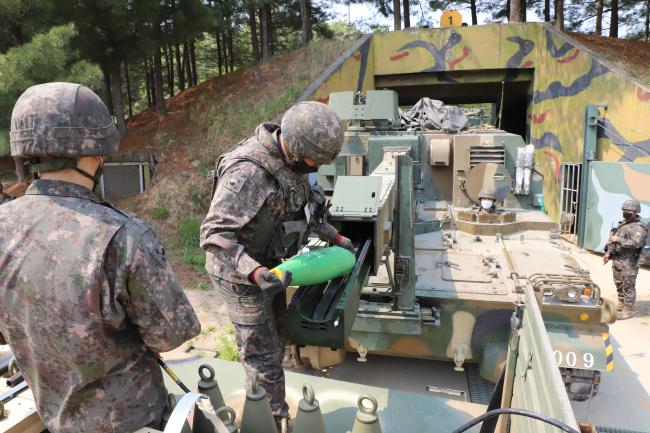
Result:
311,89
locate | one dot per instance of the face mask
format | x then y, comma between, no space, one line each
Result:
486,204
302,167
628,215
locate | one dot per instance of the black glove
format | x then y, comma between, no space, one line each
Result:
268,282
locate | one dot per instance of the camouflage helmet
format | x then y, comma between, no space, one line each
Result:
631,205
488,193
61,120
313,130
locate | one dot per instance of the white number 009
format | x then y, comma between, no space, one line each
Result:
571,359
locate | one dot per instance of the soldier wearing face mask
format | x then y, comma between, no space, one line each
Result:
487,200
623,248
259,216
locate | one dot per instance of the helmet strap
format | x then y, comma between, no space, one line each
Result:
58,164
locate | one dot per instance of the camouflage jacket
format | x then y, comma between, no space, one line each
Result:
87,297
258,212
631,239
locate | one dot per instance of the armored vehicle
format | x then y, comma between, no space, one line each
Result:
437,276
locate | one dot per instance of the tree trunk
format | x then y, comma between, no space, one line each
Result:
508,9
559,14
158,81
180,72
255,43
547,10
195,73
129,96
523,11
264,23
515,11
647,20
186,64
472,6
115,73
613,21
224,52
231,50
599,17
407,13
152,84
169,63
147,85
108,98
397,15
219,52
305,14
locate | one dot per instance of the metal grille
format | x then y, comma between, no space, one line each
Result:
122,180
480,390
569,198
479,154
601,429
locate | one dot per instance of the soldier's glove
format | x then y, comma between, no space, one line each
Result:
343,242
268,282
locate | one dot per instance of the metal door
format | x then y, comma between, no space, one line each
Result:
569,199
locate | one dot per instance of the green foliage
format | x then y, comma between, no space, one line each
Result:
195,258
189,232
199,198
230,121
160,212
48,57
206,287
226,345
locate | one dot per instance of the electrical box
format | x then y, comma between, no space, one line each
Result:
439,151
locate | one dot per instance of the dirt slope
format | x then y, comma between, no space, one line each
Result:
631,55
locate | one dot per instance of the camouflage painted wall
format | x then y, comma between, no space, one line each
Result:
567,77
610,184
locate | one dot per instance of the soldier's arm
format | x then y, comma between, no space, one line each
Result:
633,238
156,302
240,194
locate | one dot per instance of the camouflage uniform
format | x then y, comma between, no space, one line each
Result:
625,256
86,294
258,217
4,198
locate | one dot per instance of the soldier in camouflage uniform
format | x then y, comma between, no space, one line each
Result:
487,199
623,248
87,297
4,198
262,210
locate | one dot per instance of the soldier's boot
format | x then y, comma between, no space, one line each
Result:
283,424
620,306
625,313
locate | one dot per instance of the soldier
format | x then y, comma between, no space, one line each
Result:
4,198
624,247
261,212
487,197
87,297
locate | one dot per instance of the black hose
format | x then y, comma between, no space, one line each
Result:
510,411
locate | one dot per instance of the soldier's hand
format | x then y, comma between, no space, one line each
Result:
343,242
606,258
613,238
268,282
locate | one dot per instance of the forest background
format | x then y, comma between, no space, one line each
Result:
137,53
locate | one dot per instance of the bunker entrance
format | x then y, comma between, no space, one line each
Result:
469,87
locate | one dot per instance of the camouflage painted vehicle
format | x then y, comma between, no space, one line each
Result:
529,372
436,277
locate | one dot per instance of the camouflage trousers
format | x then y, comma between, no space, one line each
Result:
257,320
625,271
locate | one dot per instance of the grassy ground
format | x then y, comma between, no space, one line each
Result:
203,122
